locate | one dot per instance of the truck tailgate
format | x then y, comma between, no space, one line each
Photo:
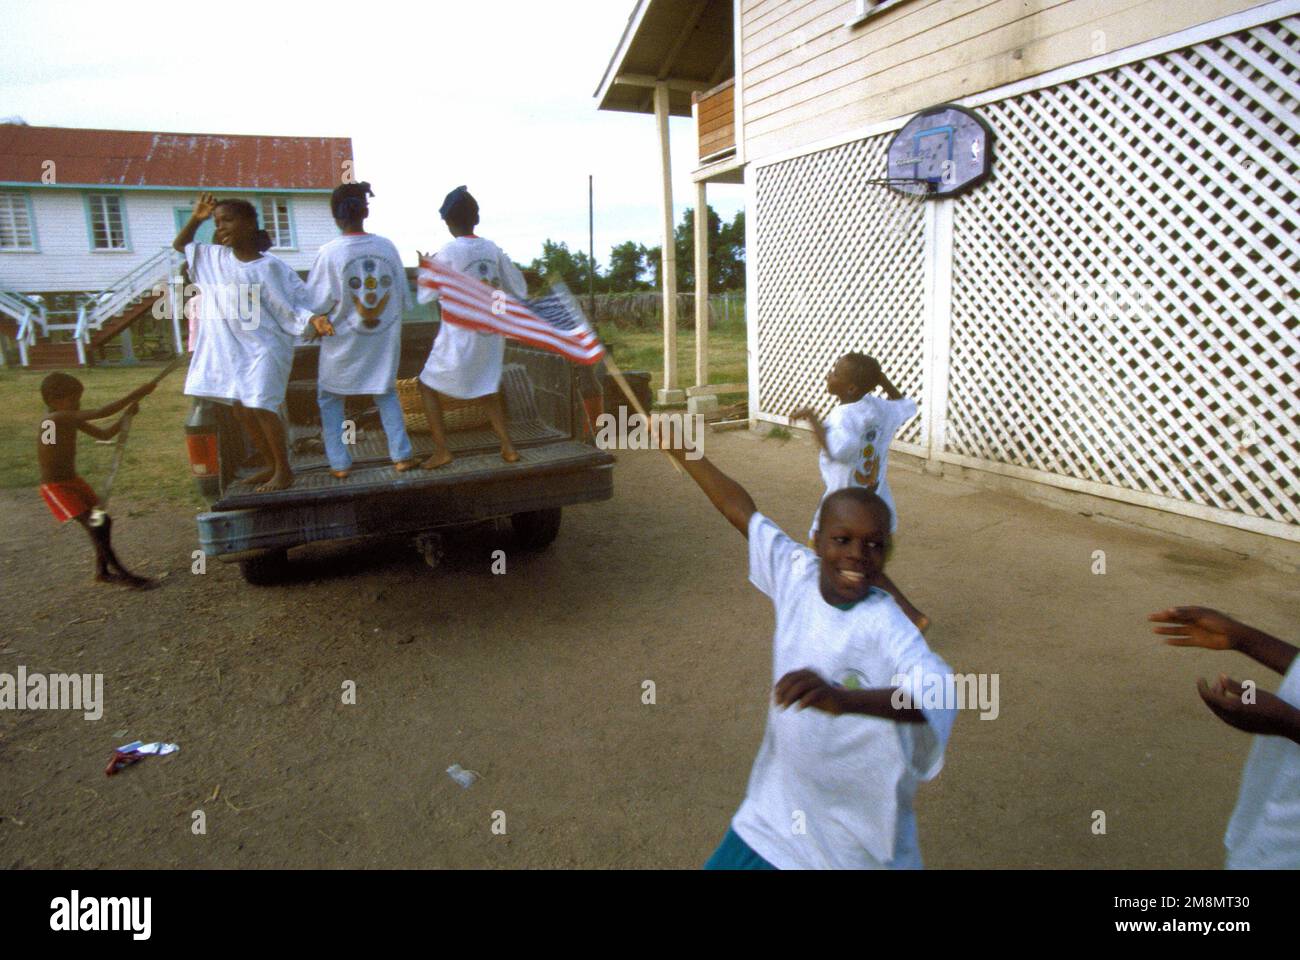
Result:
317,485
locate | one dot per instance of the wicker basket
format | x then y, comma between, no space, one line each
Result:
456,414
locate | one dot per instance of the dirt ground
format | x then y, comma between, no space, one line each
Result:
534,680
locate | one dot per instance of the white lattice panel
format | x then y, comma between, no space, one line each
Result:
841,269
1124,288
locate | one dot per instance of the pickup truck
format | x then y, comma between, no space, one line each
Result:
550,404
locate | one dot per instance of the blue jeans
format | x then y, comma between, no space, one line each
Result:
331,427
735,854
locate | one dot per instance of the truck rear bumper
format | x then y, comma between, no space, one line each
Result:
405,510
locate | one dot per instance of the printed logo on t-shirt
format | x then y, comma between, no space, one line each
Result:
869,471
370,282
851,679
486,271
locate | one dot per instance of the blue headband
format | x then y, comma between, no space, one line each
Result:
458,204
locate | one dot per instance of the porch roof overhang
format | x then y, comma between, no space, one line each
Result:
684,44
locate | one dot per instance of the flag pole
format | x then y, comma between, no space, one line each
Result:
617,374
120,448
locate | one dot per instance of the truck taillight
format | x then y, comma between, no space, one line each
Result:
202,449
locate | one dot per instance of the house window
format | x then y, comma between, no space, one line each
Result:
276,222
15,222
863,9
107,222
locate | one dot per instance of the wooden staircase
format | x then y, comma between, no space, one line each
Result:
46,354
99,319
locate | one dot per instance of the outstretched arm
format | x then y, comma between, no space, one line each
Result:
203,208
1203,627
732,500
818,428
108,433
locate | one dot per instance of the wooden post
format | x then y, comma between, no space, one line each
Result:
938,327
670,393
701,284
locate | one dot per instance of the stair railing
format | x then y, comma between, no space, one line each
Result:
153,273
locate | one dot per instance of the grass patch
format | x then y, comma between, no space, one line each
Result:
156,468
644,350
779,433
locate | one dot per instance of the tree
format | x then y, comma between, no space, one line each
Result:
627,261
726,252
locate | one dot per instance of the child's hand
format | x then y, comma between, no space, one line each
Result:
322,326
806,688
805,413
204,206
1268,715
1199,627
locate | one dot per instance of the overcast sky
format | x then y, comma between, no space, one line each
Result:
496,94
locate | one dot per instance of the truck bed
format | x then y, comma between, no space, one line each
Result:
541,449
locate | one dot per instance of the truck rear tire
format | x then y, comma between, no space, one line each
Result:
536,529
265,570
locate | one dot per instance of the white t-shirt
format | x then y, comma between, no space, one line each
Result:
1264,832
846,781
858,435
358,280
465,363
249,316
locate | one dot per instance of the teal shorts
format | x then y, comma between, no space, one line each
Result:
735,854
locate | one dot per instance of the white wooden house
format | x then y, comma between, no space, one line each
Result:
88,217
1112,313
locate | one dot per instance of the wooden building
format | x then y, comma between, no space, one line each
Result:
1112,313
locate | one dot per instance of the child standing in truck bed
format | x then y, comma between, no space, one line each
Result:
251,310
464,363
359,282
68,496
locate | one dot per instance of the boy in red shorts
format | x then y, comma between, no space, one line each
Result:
67,495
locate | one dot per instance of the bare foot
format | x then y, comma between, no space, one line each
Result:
509,454
401,466
104,576
437,460
138,583
339,474
277,481
262,475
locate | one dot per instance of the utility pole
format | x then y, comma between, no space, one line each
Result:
591,249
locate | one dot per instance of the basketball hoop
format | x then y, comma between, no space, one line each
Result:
941,152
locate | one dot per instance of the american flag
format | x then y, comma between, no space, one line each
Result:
551,321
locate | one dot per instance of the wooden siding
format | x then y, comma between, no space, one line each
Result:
65,261
716,120
807,77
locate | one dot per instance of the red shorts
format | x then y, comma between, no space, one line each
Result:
69,499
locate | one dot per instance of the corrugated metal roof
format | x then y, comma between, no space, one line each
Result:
137,158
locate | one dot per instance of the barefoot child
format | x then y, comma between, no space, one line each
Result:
854,443
67,495
251,310
1264,832
358,279
832,787
464,363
